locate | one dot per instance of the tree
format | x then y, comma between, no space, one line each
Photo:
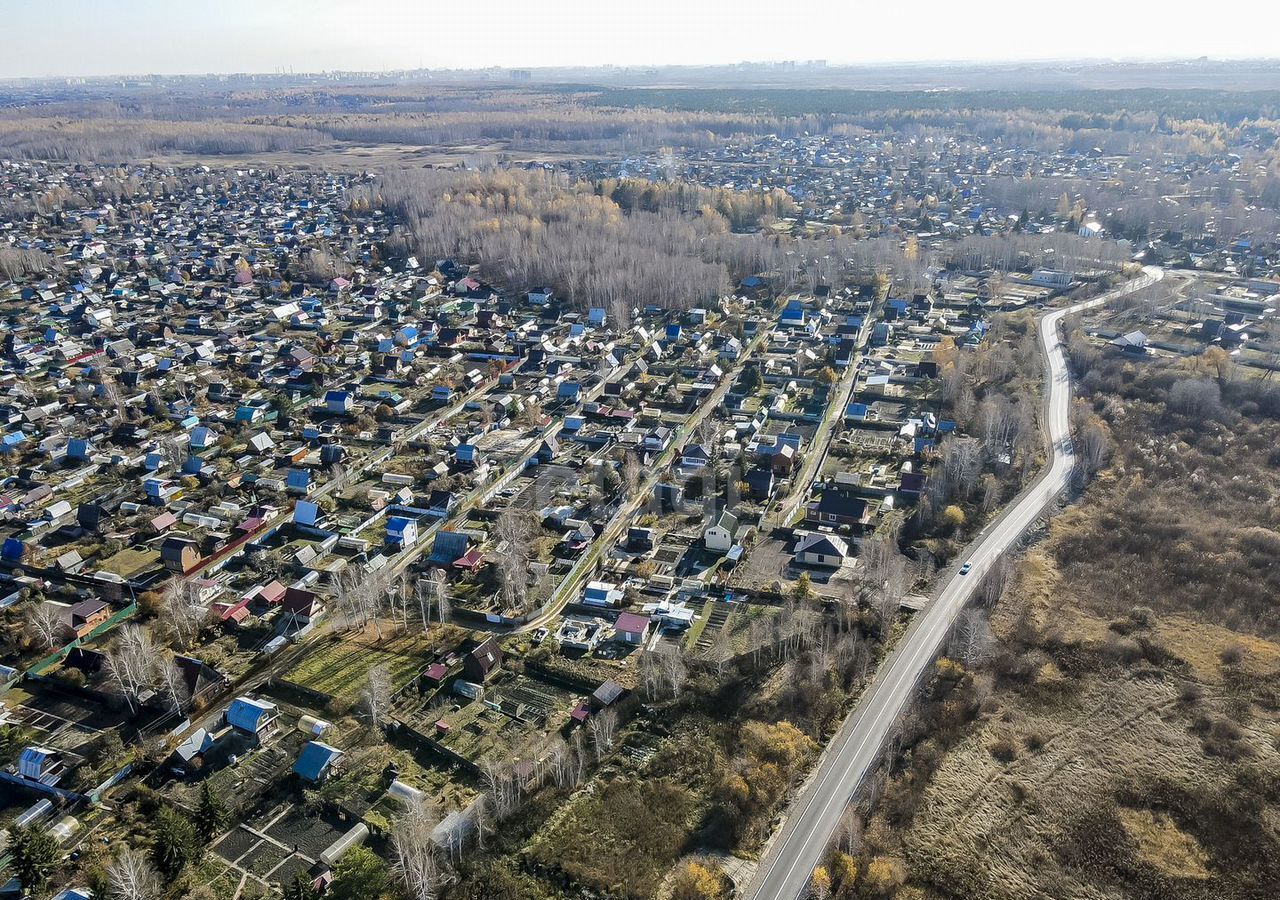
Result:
375,700
44,622
1195,398
697,881
513,533
211,813
821,883
604,725
131,876
35,855
359,875
953,516
884,875
181,611
132,662
176,842
301,888
803,589
416,863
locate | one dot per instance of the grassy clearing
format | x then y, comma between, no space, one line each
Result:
1126,745
1162,844
340,668
619,840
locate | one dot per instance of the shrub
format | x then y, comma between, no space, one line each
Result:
1005,750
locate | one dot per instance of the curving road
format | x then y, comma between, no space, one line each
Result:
812,819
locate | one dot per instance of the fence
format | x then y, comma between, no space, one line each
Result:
58,655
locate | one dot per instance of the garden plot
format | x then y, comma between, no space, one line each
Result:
527,712
341,668
311,834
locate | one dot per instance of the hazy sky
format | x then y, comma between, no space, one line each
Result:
96,37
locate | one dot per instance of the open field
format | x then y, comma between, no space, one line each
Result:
1128,738
341,667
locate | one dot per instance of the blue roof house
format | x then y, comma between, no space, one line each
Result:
298,481
402,532
338,402
569,390
315,761
249,716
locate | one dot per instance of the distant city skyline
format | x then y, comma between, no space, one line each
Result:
136,37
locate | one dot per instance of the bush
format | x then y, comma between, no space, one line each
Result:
1005,750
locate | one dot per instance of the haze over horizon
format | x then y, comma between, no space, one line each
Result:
75,38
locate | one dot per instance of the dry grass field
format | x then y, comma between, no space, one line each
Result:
1126,740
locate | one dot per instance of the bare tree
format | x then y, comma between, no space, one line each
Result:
182,613
172,683
416,862
501,786
604,726
971,638
514,534
375,699
45,622
133,663
131,876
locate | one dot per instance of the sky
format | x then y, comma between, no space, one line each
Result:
122,37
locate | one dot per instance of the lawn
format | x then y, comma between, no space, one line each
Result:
340,668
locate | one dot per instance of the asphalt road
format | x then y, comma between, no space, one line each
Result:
784,873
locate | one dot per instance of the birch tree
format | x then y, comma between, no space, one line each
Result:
131,876
416,863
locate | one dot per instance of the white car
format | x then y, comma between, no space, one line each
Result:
964,570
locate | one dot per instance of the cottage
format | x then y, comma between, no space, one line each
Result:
631,628
179,554
88,615
839,508
316,762
255,718
826,550
720,535
602,593
481,662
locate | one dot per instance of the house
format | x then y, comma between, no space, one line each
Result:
255,718
839,508
300,607
569,391
694,457
179,554
1134,343
42,765
402,532
88,615
759,482
188,756
607,694
816,549
639,539
631,628
338,403
199,677
449,547
719,536
602,593
481,662
316,761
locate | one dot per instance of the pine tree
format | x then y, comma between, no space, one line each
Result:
35,856
300,888
211,814
176,842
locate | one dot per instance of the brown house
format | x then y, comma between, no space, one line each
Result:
483,660
179,554
88,615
